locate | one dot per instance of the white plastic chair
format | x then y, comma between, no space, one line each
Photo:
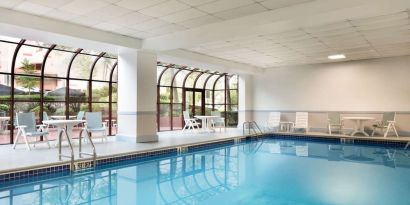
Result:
94,124
26,125
189,122
301,121
388,122
218,122
273,121
80,116
334,121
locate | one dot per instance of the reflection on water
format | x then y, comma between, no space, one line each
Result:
192,178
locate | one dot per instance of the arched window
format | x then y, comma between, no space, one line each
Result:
181,88
53,81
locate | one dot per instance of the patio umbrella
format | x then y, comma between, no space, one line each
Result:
62,91
6,90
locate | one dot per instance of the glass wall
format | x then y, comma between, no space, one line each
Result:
181,88
54,82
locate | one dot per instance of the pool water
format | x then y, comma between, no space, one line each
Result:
260,172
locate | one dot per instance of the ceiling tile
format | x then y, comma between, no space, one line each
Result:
138,4
32,8
183,15
51,3
203,20
130,19
150,24
9,3
222,5
83,7
165,8
109,12
384,19
241,11
276,4
196,2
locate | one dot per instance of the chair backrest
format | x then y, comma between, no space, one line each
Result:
274,119
80,115
186,114
301,120
333,117
45,116
216,113
388,116
26,119
93,119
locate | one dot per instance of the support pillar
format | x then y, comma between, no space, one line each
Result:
245,99
137,75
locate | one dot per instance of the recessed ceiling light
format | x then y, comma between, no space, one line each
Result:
337,56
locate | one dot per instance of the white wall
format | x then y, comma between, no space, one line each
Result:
368,85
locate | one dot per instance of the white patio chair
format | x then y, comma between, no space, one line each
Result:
334,121
273,121
94,124
218,122
26,125
189,122
301,121
80,116
388,122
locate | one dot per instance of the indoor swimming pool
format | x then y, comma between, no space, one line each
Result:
268,171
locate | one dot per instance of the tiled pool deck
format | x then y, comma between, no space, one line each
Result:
22,159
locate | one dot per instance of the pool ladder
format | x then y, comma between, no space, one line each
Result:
407,145
73,166
251,126
60,155
81,153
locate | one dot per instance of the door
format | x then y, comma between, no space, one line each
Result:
194,101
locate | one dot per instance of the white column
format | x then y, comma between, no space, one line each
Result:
137,95
245,98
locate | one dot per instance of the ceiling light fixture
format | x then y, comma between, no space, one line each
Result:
337,56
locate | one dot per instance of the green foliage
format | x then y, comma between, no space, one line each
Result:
26,81
4,107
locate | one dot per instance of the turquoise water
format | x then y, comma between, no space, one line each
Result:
262,172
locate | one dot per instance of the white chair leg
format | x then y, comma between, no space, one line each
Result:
17,138
387,130
25,139
185,126
374,130
48,143
395,131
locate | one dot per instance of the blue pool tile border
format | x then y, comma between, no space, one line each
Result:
205,146
138,156
33,173
337,140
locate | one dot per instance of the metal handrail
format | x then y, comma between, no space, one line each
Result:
60,155
251,125
94,153
407,145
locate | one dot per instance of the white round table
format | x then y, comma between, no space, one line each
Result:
205,121
359,124
61,117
